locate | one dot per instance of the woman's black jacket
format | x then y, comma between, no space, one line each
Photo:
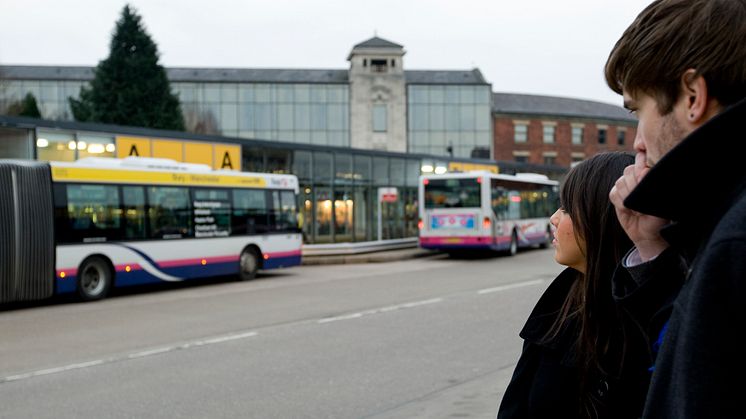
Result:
545,383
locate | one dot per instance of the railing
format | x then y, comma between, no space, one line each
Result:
358,248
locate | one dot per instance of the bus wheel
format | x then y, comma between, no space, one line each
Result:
94,279
248,264
513,249
547,239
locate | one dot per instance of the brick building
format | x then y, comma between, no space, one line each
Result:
557,131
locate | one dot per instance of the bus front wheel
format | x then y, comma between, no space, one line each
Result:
94,279
248,264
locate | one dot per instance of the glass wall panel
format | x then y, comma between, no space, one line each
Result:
306,220
211,92
90,145
302,164
411,211
51,146
343,212
15,144
397,172
318,117
278,161
252,159
285,117
228,117
361,213
229,93
381,171
322,167
323,224
285,93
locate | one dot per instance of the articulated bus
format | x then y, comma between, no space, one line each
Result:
87,226
481,210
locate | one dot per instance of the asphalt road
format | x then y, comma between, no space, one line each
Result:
424,338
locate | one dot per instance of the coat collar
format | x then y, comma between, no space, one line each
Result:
698,179
545,312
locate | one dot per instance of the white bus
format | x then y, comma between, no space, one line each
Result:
481,210
87,226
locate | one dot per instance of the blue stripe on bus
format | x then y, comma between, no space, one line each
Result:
282,262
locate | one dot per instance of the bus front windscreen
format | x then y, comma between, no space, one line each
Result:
453,193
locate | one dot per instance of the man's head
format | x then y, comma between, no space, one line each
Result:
678,65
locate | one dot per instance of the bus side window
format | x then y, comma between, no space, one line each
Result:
133,198
169,212
499,199
250,215
212,212
94,212
61,218
283,216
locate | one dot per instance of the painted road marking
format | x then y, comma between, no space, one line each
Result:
510,286
380,310
135,355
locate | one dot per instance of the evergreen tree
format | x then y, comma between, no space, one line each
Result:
25,107
130,87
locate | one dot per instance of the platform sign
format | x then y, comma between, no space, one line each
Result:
388,194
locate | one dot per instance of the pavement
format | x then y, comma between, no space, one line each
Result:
372,257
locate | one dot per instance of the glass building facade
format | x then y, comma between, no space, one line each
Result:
297,113
51,95
449,119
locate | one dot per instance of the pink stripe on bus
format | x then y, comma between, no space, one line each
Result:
284,254
196,261
123,267
456,240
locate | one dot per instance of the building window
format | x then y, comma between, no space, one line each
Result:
549,134
521,156
602,136
550,160
379,118
365,62
620,134
520,133
378,66
577,135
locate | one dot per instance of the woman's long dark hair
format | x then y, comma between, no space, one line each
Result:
585,197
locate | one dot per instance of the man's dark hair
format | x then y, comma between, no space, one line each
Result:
672,36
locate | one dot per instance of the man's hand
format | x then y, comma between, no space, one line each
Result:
642,229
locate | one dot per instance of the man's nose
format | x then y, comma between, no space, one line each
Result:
639,143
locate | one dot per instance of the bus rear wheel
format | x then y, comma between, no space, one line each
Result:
94,279
547,239
513,249
248,264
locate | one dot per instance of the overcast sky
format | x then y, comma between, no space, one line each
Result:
552,47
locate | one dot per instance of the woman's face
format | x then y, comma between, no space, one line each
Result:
567,250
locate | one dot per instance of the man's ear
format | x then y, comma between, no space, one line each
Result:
699,106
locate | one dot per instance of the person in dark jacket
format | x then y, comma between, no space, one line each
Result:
582,356
681,67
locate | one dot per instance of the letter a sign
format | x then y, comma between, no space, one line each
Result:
226,161
133,151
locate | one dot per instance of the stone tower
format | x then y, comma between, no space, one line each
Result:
378,97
